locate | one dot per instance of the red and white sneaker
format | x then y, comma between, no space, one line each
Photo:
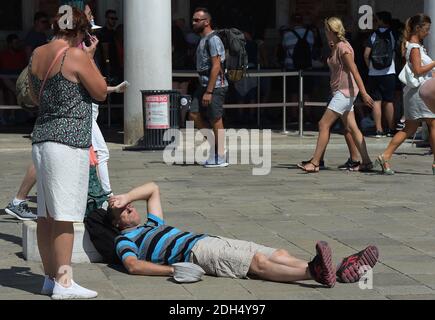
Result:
321,268
349,270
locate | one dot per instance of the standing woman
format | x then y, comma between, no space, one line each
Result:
415,110
346,83
61,142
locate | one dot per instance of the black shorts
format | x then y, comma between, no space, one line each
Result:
215,110
382,88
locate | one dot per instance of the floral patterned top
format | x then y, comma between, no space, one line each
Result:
65,112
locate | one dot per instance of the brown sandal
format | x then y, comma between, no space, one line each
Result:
315,170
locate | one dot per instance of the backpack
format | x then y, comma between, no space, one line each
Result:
382,54
236,57
302,54
101,231
103,234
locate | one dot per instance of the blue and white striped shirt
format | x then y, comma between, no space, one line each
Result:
157,243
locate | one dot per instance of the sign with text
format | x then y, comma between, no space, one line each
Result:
157,112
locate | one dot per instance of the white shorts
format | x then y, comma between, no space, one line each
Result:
341,104
62,180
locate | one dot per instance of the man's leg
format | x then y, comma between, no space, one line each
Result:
389,115
197,119
266,269
219,133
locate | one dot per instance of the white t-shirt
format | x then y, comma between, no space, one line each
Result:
391,69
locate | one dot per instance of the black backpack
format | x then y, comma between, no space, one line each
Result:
103,234
302,54
236,57
383,50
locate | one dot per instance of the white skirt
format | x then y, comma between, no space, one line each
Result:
63,180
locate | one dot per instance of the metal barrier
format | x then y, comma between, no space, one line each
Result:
301,104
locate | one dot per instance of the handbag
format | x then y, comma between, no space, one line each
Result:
408,77
24,97
24,94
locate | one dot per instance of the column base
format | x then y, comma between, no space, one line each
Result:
83,249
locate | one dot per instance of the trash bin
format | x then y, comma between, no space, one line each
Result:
160,113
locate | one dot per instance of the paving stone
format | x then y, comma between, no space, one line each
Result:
286,209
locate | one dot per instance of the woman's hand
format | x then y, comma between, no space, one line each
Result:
367,100
92,48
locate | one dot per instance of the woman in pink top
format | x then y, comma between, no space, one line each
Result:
346,83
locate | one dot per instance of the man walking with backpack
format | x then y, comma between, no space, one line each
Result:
379,56
298,43
209,98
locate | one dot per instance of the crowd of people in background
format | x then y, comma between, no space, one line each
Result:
384,120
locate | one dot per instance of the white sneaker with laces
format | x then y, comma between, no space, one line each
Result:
47,288
72,292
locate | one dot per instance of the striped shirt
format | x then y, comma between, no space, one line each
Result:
156,242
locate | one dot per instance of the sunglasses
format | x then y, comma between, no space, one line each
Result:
113,19
198,20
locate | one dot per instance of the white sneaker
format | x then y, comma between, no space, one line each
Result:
73,292
47,288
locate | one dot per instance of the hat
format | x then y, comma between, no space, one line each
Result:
186,272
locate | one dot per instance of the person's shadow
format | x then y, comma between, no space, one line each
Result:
21,278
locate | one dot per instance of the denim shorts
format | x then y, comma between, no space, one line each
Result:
215,110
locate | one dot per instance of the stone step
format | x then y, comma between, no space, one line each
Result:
83,249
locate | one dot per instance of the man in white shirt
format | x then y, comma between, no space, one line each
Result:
379,56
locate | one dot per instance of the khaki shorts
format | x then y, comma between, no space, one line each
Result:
224,257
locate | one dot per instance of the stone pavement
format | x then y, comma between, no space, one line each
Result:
285,209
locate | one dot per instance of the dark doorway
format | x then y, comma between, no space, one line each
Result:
248,15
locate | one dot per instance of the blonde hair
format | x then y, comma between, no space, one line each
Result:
336,26
417,21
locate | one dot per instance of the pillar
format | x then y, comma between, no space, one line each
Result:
429,9
148,58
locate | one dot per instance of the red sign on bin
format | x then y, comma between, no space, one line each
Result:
157,112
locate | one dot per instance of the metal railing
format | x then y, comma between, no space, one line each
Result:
301,103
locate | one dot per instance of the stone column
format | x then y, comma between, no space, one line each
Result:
148,58
429,9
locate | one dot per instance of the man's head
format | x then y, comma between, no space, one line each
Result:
13,42
297,20
124,218
201,21
41,22
111,19
384,19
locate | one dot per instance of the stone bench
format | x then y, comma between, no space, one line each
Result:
83,249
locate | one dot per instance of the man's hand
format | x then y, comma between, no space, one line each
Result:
120,201
206,99
93,47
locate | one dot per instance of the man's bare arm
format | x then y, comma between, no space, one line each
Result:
145,268
149,192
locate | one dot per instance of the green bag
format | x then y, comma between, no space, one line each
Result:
96,195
